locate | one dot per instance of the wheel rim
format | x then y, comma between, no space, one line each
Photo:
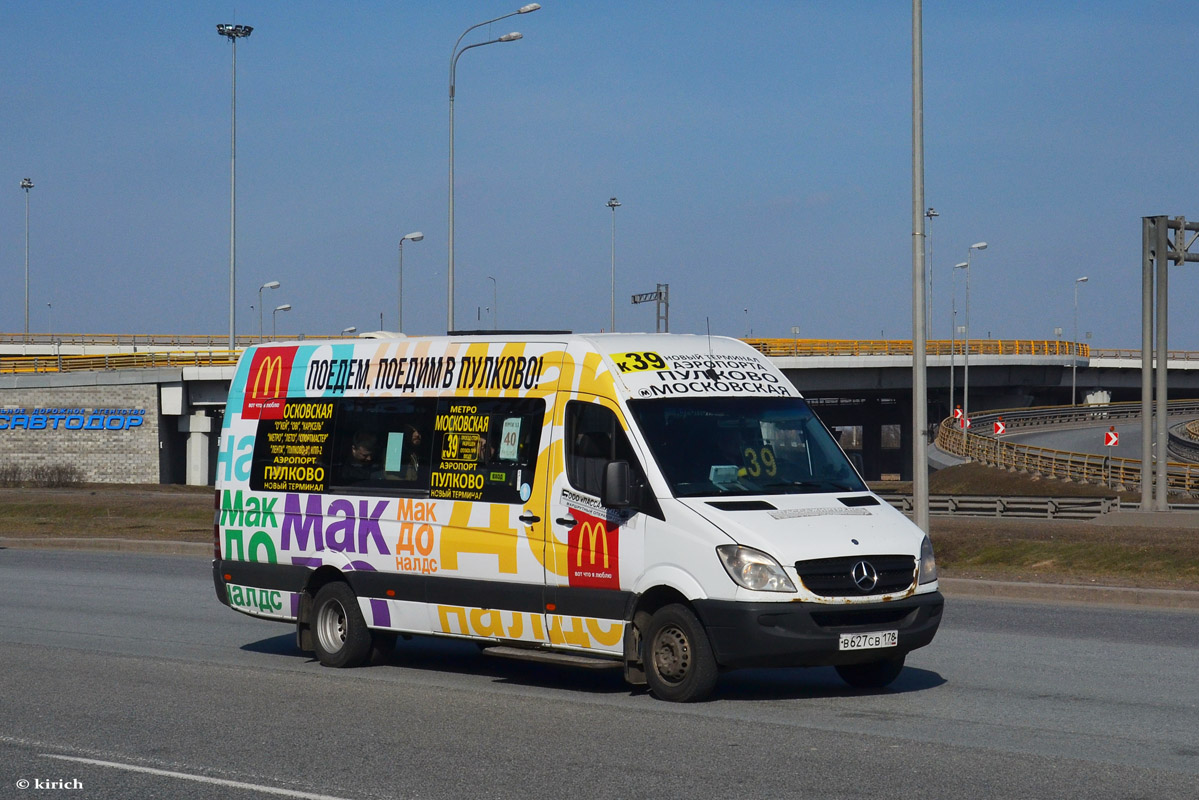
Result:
331,627
672,654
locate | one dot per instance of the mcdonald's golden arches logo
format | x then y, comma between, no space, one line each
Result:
592,533
267,382
594,552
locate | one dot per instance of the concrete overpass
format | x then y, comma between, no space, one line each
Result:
861,388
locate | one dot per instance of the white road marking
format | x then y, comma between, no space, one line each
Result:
198,778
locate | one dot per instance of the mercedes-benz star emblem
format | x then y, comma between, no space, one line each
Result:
864,575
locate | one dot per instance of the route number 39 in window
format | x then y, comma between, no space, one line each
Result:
760,461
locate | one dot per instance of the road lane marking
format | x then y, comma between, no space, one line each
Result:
198,778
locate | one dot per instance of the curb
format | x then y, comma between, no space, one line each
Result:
117,545
1071,593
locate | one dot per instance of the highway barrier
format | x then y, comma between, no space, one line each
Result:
903,347
1022,507
1122,474
28,365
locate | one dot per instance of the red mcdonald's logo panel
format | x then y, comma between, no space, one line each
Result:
594,552
266,386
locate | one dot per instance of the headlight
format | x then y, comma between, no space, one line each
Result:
753,569
928,562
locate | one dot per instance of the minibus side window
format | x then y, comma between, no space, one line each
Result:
383,444
485,449
593,438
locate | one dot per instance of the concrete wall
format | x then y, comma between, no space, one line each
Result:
68,434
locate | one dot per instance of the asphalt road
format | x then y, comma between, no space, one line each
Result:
1085,440
123,674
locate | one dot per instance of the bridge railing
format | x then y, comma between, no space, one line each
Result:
27,365
1172,355
903,347
127,339
1106,470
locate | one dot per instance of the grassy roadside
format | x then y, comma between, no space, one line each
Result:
107,511
1113,552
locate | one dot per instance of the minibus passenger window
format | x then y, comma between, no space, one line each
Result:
381,443
485,449
594,438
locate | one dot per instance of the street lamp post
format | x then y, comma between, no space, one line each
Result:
26,184
1074,355
267,285
415,236
495,303
966,355
284,307
613,204
233,33
454,56
953,330
930,214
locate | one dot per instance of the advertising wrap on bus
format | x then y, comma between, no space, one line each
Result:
667,505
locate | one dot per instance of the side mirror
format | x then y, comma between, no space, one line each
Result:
616,492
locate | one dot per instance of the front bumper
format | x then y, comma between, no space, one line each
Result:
807,634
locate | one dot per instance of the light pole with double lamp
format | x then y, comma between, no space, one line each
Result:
454,56
284,307
233,33
267,285
415,236
1074,346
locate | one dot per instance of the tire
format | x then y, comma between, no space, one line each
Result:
383,644
339,633
873,675
678,659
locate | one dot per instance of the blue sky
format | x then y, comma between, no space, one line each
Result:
761,153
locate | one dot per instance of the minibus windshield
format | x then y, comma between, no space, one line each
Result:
725,446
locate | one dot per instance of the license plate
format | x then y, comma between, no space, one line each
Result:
868,641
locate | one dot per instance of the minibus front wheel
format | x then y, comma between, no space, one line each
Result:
339,633
679,664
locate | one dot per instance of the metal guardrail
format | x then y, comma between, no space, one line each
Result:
1022,507
1182,444
127,339
30,365
903,347
1118,473
204,340
1066,416
1136,355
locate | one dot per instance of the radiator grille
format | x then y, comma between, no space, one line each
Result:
850,576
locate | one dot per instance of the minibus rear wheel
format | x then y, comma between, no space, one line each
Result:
679,664
873,675
340,636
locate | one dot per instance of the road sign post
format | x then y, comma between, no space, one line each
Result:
1111,438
